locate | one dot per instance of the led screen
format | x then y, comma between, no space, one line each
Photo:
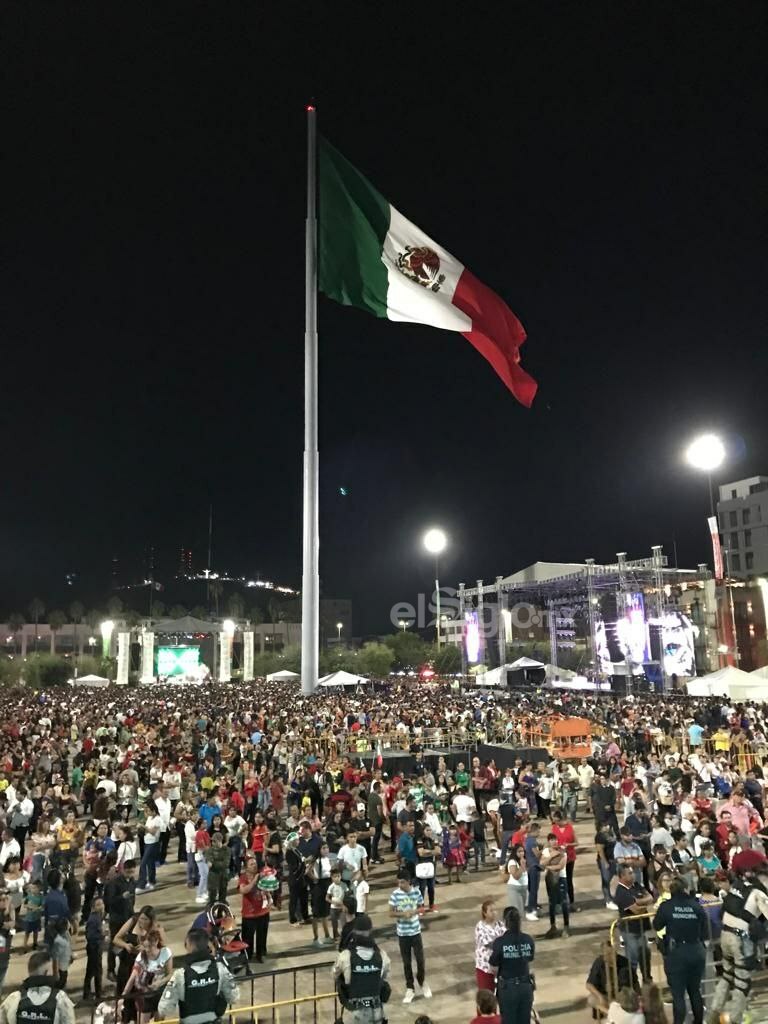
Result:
472,636
178,661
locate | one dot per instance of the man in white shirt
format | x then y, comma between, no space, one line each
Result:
352,858
172,784
9,848
464,808
164,811
586,774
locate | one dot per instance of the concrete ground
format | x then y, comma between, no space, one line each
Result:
561,964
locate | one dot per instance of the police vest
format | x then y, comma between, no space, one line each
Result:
201,993
365,983
34,1013
735,902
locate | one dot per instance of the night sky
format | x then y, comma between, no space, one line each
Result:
601,165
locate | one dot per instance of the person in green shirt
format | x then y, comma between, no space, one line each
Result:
76,779
217,855
461,776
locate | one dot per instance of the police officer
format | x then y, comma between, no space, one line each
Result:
200,991
361,971
39,1000
743,905
685,929
512,953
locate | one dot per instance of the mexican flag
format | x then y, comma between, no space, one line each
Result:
372,257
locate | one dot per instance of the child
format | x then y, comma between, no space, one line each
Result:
94,945
32,914
625,1009
335,897
478,840
360,889
487,1008
454,857
61,951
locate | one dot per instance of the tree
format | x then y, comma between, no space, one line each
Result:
76,613
132,618
178,611
36,610
236,606
16,622
410,650
114,607
158,609
446,659
56,619
198,612
94,618
376,659
216,589
255,615
275,612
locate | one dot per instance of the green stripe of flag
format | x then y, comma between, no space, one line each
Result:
353,223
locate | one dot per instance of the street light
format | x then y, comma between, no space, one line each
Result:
706,453
339,627
403,625
435,542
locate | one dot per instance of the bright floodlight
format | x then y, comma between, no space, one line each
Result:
706,452
229,627
435,541
106,629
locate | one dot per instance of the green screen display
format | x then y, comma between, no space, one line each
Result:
177,661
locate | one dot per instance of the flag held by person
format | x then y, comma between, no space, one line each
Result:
372,257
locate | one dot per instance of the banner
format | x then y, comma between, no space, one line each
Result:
248,655
123,658
717,551
225,658
147,658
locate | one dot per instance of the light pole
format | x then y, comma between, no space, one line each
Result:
707,453
403,625
339,627
435,542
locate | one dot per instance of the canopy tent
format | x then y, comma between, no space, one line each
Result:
91,680
727,682
523,663
341,678
284,674
760,673
494,677
186,624
553,671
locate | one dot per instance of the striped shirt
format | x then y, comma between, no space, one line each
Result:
412,900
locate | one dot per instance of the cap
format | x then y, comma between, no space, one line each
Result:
291,837
363,923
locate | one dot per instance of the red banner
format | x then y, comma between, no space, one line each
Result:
717,551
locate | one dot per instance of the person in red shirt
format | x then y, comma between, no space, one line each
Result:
259,834
722,836
257,904
566,837
236,801
487,1008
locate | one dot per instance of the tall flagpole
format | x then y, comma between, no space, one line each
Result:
310,579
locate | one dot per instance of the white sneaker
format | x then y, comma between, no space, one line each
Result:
409,994
201,899
532,916
139,888
149,887
417,988
610,905
426,991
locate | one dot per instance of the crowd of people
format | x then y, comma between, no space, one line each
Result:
264,797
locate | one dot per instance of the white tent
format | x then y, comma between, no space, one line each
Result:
760,673
284,673
494,677
525,663
341,678
91,680
728,682
562,673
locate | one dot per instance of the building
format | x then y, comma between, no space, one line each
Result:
742,515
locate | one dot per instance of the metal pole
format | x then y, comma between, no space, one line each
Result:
437,596
500,624
310,580
711,496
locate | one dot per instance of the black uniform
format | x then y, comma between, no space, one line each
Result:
365,982
35,1013
512,952
201,994
684,955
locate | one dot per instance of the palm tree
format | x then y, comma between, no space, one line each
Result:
216,589
56,619
236,606
76,613
16,622
36,609
178,611
198,612
255,615
94,618
114,607
158,609
275,612
132,618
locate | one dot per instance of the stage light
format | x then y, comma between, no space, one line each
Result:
106,629
722,648
435,541
706,453
228,627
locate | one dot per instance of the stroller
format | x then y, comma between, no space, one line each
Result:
226,943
